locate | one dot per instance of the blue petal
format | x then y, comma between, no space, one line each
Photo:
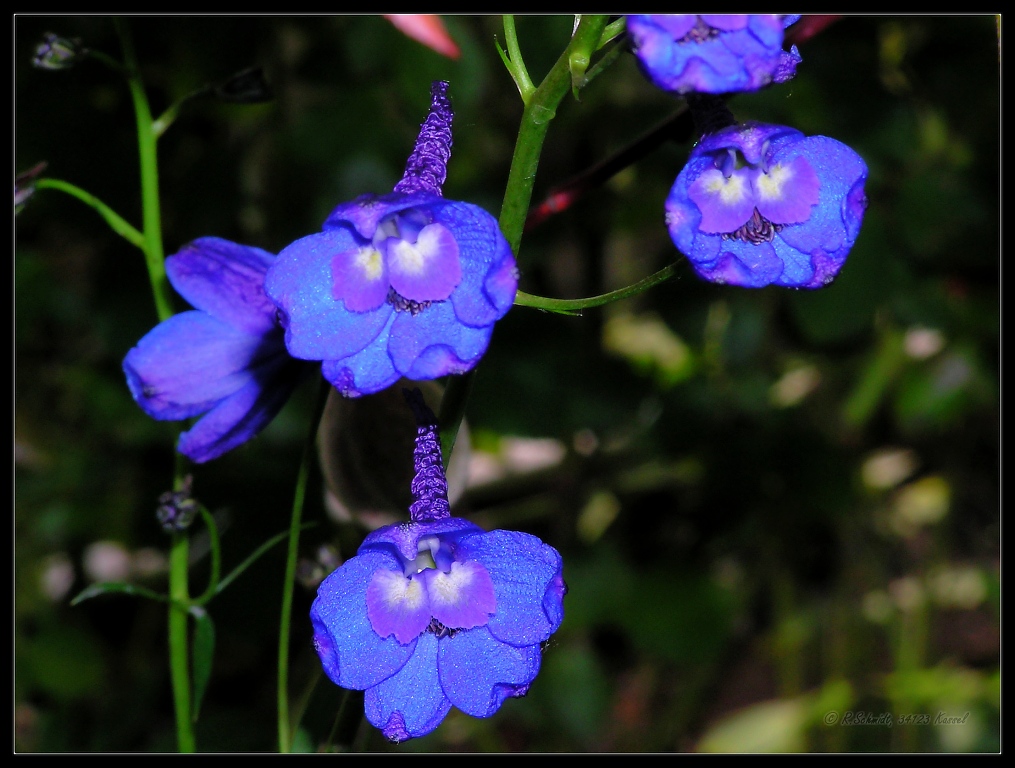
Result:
434,343
365,372
243,414
489,275
410,703
226,280
404,537
428,269
365,212
318,326
745,55
839,169
752,139
522,569
463,597
188,363
740,263
353,655
797,269
478,671
726,22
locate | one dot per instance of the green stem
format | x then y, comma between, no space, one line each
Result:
254,556
514,61
539,111
285,729
150,205
540,108
216,558
179,655
613,31
116,222
575,306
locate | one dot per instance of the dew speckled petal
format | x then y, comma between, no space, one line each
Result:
226,280
478,671
352,653
410,703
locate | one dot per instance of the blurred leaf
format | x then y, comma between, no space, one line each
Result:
65,662
203,652
937,686
938,394
769,727
650,346
845,310
877,376
578,688
116,587
683,617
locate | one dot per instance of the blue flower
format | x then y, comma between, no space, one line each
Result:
226,359
761,204
720,53
437,612
406,284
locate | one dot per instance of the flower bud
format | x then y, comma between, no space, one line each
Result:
55,52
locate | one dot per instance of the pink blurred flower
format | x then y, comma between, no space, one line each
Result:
426,28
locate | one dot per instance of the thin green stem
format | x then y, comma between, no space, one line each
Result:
150,205
254,556
605,61
304,700
540,108
116,222
575,306
109,61
167,118
613,30
285,728
515,63
179,653
536,117
216,558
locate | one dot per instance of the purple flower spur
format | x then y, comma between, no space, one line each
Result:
437,612
406,284
761,204
226,359
719,53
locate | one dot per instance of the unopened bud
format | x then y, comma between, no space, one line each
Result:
24,185
246,87
55,52
177,509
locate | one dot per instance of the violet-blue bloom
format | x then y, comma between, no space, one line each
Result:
762,204
719,53
406,284
225,359
437,612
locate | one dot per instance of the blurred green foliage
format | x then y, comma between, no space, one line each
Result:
735,497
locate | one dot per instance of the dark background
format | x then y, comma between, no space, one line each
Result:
771,504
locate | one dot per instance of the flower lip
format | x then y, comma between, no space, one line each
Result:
433,587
